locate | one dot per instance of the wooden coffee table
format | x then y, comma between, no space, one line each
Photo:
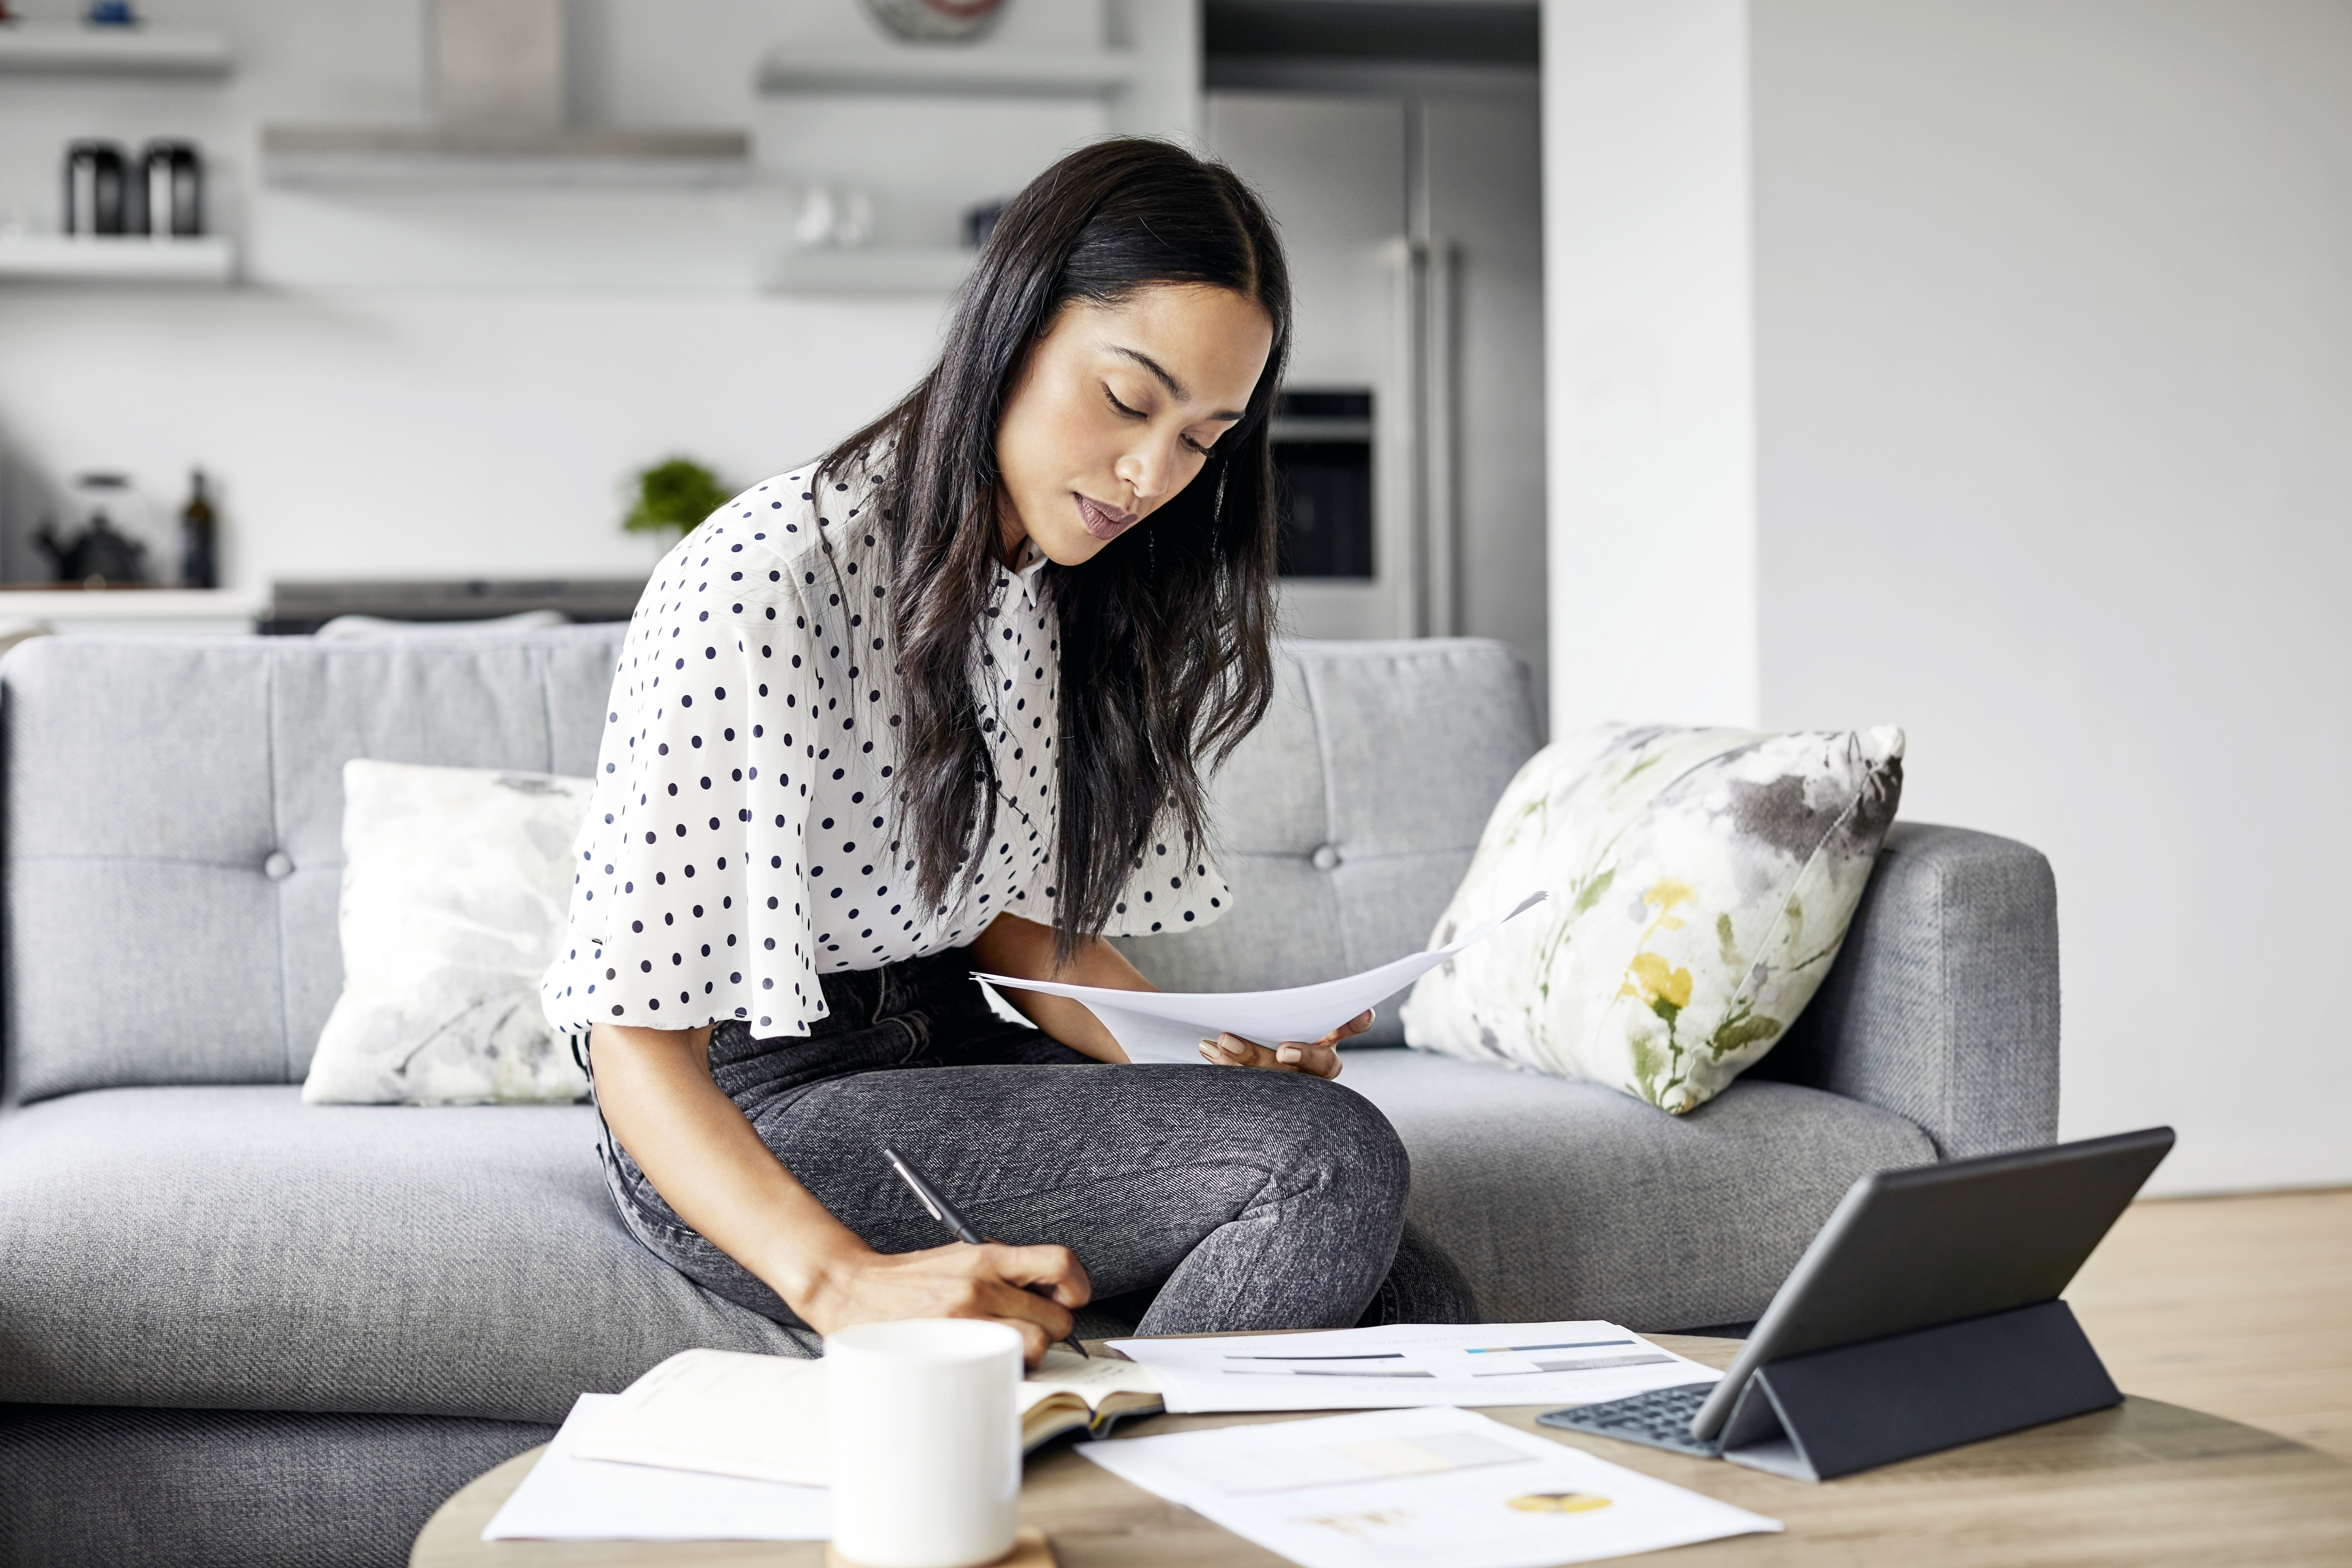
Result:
2143,1483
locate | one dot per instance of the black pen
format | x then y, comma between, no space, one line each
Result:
957,1225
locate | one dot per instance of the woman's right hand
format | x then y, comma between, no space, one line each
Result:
707,1162
989,1281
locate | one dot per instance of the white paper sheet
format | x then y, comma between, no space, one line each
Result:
761,1417
1428,1489
1168,1026
1412,1365
567,1498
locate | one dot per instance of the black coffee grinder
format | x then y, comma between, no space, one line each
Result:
98,196
169,194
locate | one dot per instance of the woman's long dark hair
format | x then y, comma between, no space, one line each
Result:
1167,635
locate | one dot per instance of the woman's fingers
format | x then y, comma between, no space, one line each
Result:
1322,1058
989,1281
1054,1270
1035,1343
1000,1278
1040,1322
1317,1060
996,1281
1233,1051
1349,1031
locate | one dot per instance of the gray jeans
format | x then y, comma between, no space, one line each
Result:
1199,1198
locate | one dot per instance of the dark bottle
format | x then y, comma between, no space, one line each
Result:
199,538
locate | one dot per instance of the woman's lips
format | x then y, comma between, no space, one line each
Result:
1103,522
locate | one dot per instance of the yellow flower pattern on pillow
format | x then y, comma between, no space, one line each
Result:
1702,882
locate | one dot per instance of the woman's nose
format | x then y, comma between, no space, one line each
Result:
1145,469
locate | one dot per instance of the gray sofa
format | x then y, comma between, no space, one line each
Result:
237,1329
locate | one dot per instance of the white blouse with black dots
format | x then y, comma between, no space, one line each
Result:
744,836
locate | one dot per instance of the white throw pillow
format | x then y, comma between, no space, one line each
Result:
1702,881
456,881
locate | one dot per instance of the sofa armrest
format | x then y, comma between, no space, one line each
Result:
1943,1005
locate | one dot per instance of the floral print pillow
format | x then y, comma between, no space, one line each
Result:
1702,881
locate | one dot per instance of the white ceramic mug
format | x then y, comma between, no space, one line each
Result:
926,1442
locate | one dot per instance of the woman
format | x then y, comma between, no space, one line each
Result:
942,702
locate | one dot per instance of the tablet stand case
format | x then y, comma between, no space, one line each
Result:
1833,1412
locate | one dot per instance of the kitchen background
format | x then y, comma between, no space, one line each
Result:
404,359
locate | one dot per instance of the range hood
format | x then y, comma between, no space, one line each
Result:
499,88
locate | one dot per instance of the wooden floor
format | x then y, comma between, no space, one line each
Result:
2237,1306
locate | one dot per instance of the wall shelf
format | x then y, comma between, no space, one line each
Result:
115,258
32,48
69,609
395,155
947,69
881,270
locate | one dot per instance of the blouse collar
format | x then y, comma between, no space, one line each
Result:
1030,562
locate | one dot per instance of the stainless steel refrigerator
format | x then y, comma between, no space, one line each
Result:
1413,433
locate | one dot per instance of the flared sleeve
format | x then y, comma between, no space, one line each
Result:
1175,886
692,901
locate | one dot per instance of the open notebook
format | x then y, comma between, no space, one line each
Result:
763,1417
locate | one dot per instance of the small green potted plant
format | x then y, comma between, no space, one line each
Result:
674,494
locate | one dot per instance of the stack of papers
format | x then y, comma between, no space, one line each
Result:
1429,1488
1413,1365
568,1497
1168,1026
716,1444
763,1418
722,1412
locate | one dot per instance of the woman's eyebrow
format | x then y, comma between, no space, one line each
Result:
1175,388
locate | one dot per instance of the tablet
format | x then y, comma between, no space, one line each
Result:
1930,1245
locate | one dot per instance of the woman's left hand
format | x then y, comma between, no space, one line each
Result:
1319,1059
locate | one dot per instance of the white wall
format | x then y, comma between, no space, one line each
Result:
1650,450
445,381
2052,338
2055,323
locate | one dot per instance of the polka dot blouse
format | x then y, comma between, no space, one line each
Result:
744,837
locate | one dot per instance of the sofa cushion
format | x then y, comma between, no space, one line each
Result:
174,814
232,1248
1566,1199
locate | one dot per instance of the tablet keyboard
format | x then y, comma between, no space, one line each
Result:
1661,1418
